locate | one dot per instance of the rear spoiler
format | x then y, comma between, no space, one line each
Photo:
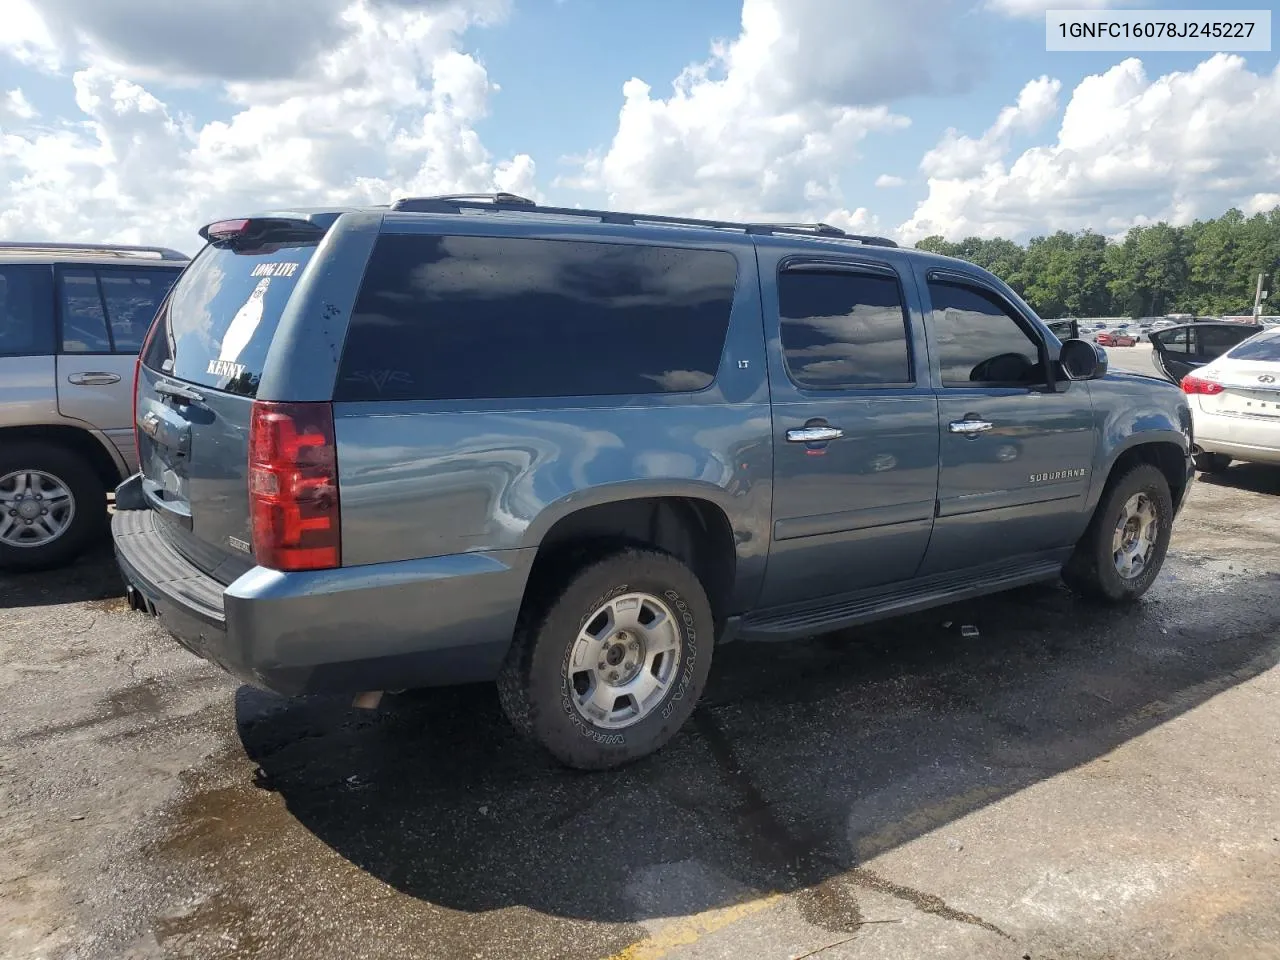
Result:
257,225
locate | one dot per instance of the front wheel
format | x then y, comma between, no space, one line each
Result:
610,669
1125,544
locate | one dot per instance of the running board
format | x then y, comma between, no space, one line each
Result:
822,616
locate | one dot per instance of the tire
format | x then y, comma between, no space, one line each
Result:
88,499
539,692
1212,462
1092,569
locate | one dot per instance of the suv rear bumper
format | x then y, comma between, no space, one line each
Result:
385,626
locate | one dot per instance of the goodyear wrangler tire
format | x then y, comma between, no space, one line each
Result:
1124,547
612,666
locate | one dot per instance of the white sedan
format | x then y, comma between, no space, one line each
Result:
1235,404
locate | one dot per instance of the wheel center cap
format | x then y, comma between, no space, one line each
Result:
28,509
615,654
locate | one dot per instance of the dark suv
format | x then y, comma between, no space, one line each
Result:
467,439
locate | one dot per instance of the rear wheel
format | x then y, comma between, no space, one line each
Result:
1125,543
52,504
1212,462
609,669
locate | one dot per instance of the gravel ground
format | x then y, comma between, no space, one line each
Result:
1075,782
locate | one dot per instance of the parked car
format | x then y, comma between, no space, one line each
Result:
1121,338
1118,337
1235,392
569,451
71,319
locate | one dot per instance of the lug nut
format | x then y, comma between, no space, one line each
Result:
613,674
38,497
28,523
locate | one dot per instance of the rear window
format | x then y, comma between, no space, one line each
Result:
1264,346
217,325
458,318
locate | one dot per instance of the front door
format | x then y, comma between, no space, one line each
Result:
855,427
1017,445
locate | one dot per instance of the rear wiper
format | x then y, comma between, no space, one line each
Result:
181,393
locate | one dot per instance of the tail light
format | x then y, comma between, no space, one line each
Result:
293,486
1192,384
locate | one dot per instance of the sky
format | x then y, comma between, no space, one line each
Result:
141,120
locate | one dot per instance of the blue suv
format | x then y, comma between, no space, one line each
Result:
475,439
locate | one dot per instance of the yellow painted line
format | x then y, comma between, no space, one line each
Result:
687,931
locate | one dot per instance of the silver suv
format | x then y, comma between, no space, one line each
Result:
72,318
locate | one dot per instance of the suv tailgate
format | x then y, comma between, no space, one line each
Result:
198,376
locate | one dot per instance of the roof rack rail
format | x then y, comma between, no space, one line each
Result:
95,249
510,203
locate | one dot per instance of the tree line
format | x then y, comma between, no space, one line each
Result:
1208,268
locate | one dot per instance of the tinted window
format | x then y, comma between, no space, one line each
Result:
843,329
1265,346
26,311
1175,341
84,324
471,317
132,298
217,326
978,339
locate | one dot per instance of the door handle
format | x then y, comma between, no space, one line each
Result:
814,434
970,428
94,378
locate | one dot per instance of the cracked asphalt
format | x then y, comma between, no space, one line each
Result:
1074,782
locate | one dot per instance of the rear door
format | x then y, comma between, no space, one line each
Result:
855,426
104,313
1179,350
200,372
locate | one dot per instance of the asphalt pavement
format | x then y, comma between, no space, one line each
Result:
1073,782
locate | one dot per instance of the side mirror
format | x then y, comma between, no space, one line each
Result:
1082,360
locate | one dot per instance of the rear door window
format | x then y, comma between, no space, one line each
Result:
217,326
26,310
84,321
132,298
109,310
843,329
458,318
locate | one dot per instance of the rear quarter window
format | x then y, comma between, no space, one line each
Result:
458,318
26,310
216,327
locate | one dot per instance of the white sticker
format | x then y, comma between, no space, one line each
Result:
245,322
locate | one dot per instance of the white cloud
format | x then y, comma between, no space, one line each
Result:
389,109
887,180
1129,150
1036,8
764,126
958,156
15,105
